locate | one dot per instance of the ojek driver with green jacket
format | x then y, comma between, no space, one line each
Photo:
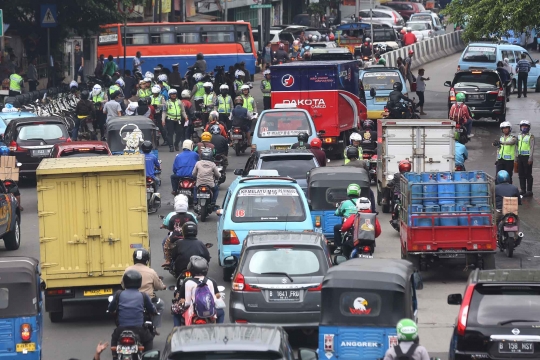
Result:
345,209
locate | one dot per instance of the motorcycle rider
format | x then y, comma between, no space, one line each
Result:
144,88
266,89
239,82
281,55
355,140
151,162
344,210
367,48
118,86
209,100
525,150
460,113
363,206
200,63
302,143
461,154
295,49
174,225
85,108
159,104
144,110
198,91
224,105
221,145
240,118
353,155
175,120
316,149
392,186
128,306
206,172
205,144
99,97
504,188
395,106
213,120
184,163
408,343
187,247
190,110
306,49
369,137
507,149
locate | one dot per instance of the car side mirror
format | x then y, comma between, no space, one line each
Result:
307,354
339,259
372,92
151,355
454,299
230,261
238,171
418,283
447,84
219,212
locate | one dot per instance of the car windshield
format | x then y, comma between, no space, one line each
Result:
290,260
380,80
476,79
422,18
293,166
480,54
419,26
283,124
268,204
41,132
492,305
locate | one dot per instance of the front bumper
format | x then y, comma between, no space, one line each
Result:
289,320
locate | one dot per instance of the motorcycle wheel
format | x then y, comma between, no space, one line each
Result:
237,149
204,213
509,247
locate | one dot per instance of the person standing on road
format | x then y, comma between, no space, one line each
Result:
409,38
507,150
112,107
266,89
100,66
508,67
172,120
524,152
16,82
420,89
523,67
505,77
408,68
32,75
401,67
137,62
78,59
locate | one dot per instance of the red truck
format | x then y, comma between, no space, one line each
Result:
330,91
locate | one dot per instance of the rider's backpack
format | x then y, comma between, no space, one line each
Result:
203,304
408,355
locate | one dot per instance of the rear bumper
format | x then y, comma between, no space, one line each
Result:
55,303
375,114
31,355
289,320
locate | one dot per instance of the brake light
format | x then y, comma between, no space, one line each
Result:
511,220
204,188
500,95
68,139
395,18
149,179
236,130
239,284
187,184
317,288
317,221
330,140
464,311
13,146
366,249
452,94
230,238
476,72
26,332
187,274
283,246
127,341
58,292
240,321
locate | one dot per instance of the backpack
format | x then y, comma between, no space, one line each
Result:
408,355
204,305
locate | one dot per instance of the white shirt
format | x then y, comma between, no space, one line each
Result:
420,84
137,63
190,287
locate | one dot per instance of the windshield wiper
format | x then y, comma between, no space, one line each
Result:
278,273
38,139
517,320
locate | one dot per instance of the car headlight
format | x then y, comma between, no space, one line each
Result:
389,177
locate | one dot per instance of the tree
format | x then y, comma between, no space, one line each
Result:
486,18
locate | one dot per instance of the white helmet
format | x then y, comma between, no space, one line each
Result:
315,38
147,80
238,73
162,77
214,115
96,90
186,94
525,122
266,72
355,137
506,124
73,84
244,87
187,144
224,87
120,82
208,84
172,91
198,77
156,89
149,75
363,204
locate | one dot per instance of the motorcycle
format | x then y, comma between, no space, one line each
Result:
508,234
181,276
205,205
360,248
371,157
395,205
402,111
185,187
460,168
153,198
239,140
218,160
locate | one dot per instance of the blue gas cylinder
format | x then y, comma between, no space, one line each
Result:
446,188
429,185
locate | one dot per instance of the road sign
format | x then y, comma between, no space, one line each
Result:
48,16
260,6
1,23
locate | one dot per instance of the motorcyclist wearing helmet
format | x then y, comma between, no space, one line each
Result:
209,101
175,120
249,102
369,137
151,162
303,142
306,48
162,81
206,172
129,306
281,55
240,117
295,49
184,162
85,111
174,224
221,144
213,119
356,141
395,106
266,89
363,205
200,63
316,149
224,105
198,91
461,153
407,332
205,144
117,86
159,103
393,186
99,98
353,155
188,247
506,153
344,210
190,108
239,82
525,150
366,49
150,281
73,88
460,114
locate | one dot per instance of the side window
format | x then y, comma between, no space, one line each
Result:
517,56
365,14
249,165
243,37
437,21
226,200
529,58
511,57
381,14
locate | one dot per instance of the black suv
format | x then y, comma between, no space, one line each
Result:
484,93
499,316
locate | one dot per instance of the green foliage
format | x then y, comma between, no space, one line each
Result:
318,8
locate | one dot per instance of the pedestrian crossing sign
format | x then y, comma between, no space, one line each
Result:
48,16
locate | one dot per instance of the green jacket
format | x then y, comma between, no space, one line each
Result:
347,208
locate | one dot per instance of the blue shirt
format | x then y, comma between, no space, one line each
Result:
461,154
523,66
165,94
130,306
151,163
184,163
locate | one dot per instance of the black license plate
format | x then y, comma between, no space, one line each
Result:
516,347
41,152
476,97
284,295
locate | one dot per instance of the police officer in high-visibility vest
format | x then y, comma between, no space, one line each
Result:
144,90
249,101
224,106
175,120
525,150
507,149
158,101
209,100
239,82
16,83
266,89
99,98
198,91
118,86
162,80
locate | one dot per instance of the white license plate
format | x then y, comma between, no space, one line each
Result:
381,99
185,192
127,349
475,97
318,230
236,136
365,256
203,196
149,190
41,152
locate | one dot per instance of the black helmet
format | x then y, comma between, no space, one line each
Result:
197,265
141,256
143,102
397,86
132,279
367,125
147,146
189,229
215,130
200,56
303,137
206,154
352,152
85,94
238,100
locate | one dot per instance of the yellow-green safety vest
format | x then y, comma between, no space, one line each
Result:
98,98
200,91
114,88
224,104
267,86
345,154
506,152
156,100
248,103
166,86
174,109
15,81
208,100
142,93
524,145
239,84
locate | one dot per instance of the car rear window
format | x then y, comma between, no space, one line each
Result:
480,54
383,35
77,153
268,204
380,80
283,124
41,132
462,79
492,305
293,166
290,260
419,26
422,18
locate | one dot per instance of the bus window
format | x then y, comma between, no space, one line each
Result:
162,35
217,37
136,35
243,37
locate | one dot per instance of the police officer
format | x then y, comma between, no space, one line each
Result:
99,97
507,150
16,82
175,120
239,82
209,99
356,141
198,91
266,89
525,150
224,106
249,101
159,103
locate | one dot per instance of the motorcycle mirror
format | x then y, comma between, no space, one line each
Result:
339,259
172,288
161,217
238,171
208,245
219,212
372,92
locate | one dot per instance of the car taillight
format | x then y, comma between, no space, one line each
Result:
58,292
317,288
452,94
230,238
239,284
127,341
500,95
13,146
511,220
317,221
330,140
395,18
464,311
26,332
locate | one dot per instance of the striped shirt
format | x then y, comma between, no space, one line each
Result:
523,66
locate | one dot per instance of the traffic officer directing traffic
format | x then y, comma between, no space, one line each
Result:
507,149
209,99
266,89
224,105
249,101
175,120
525,150
16,83
239,82
157,100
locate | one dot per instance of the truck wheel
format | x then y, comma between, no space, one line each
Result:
489,262
12,239
56,316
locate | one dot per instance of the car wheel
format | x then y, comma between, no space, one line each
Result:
537,87
12,239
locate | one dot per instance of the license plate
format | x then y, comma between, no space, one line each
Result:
203,196
220,168
27,346
41,152
149,190
475,97
516,347
381,99
510,228
446,254
185,192
98,292
236,136
127,350
318,230
284,295
365,256
281,147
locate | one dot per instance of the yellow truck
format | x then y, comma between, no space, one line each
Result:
92,216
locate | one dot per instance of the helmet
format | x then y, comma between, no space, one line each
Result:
411,52
200,56
141,256
120,82
407,330
73,84
397,86
403,31
198,77
197,265
353,190
187,144
404,166
214,115
208,85
207,155
223,88
206,136
524,122
239,73
181,203
505,124
162,78
85,94
172,91
303,137
460,97
368,124
266,72
525,126
96,90
352,152
503,176
189,229
238,100
244,87
132,279
147,146
215,130
156,89
363,204
355,137
310,37
149,75
315,38
281,46
143,102
147,80
186,94
316,143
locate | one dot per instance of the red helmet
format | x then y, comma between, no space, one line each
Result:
411,51
316,143
403,31
404,166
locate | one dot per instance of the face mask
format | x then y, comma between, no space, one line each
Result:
525,129
207,90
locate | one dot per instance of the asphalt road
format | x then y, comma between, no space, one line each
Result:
83,327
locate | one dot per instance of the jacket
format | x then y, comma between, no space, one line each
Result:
206,172
184,163
239,116
150,279
86,107
320,155
419,354
296,145
151,163
129,307
350,221
461,154
221,145
362,164
204,145
222,129
505,76
185,249
396,96
505,190
347,208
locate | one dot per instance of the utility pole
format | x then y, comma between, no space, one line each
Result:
225,17
356,8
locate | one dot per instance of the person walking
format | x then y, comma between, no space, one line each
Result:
266,89
409,38
16,82
267,54
100,66
78,60
32,75
137,62
524,159
408,68
508,68
401,67
523,67
420,89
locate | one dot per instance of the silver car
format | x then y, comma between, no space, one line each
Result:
278,279
383,15
438,28
423,30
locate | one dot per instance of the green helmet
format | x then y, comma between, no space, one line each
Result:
353,190
407,330
460,97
